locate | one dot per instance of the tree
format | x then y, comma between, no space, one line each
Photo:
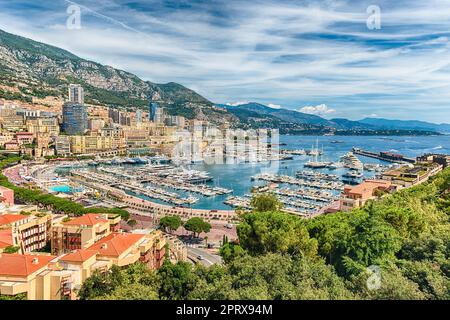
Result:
11,249
276,232
132,223
231,250
197,225
177,280
265,202
170,223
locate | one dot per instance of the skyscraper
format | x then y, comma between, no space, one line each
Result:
74,118
153,110
138,116
76,93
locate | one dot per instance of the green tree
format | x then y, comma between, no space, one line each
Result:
197,225
170,223
230,250
177,280
277,232
265,202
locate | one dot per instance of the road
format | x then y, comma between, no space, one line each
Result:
208,258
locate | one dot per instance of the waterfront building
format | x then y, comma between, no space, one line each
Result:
441,159
357,196
410,175
89,144
74,118
117,135
62,145
76,94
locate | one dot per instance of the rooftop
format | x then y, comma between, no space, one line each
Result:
79,255
22,265
6,238
6,219
89,219
368,186
116,243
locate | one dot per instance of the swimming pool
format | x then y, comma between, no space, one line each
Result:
65,189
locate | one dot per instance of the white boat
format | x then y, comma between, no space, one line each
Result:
351,161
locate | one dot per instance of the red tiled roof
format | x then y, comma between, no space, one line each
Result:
86,220
22,265
11,218
116,243
6,238
79,255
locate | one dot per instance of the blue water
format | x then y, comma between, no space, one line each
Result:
237,176
65,189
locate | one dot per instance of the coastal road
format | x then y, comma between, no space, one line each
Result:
208,258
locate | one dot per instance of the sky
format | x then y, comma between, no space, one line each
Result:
320,57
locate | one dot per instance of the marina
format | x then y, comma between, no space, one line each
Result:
203,186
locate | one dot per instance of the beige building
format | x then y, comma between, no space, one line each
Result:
82,232
43,125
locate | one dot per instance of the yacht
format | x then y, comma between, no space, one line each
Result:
351,161
352,177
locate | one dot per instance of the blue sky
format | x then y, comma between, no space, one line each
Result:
315,56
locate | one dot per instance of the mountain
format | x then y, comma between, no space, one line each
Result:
256,115
406,125
32,69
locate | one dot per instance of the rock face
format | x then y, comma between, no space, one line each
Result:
41,70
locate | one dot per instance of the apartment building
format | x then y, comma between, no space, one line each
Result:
81,232
25,232
43,125
62,145
357,196
50,277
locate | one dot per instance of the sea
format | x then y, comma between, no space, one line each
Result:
238,176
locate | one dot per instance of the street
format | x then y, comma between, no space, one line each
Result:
208,258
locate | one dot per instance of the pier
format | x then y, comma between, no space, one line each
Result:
385,156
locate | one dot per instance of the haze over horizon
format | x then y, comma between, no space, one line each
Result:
315,56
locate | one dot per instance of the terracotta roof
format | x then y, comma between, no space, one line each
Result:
368,186
79,255
6,238
11,218
116,243
22,265
86,220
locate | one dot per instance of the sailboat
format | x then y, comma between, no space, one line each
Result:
316,164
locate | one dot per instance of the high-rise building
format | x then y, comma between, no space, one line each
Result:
76,93
74,118
138,116
153,110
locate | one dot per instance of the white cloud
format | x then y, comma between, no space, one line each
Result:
238,103
274,106
320,110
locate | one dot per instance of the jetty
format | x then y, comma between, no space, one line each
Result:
385,156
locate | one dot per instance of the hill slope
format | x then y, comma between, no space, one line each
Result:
38,69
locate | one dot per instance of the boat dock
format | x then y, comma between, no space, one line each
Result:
385,156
